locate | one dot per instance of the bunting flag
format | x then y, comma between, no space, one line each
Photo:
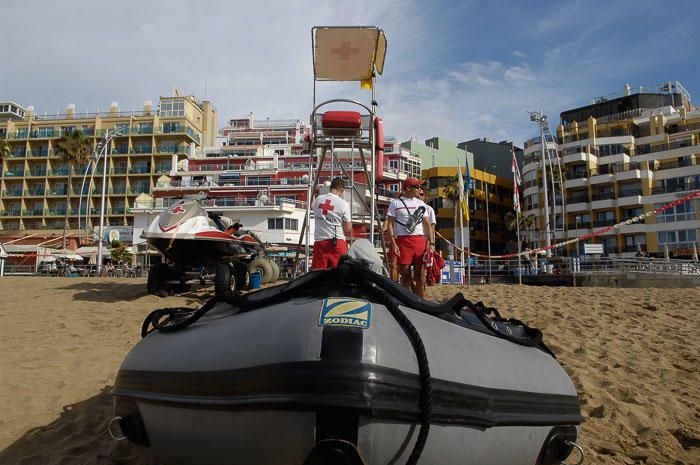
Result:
517,180
462,192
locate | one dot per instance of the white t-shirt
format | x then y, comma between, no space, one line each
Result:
401,214
331,212
430,213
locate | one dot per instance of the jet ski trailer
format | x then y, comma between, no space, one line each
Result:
343,367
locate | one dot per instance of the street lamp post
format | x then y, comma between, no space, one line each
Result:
541,121
103,149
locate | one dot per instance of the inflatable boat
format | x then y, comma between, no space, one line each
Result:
343,367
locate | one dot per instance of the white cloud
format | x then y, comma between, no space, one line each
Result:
518,53
519,73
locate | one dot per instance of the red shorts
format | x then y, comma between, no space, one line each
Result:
412,249
326,256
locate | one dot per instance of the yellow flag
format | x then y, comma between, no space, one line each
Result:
366,84
462,197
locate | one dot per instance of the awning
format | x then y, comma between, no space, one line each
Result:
347,53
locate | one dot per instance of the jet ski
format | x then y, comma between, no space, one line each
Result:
344,367
201,246
186,234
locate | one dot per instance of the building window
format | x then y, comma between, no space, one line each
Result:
275,223
174,107
682,212
291,223
610,149
685,238
171,127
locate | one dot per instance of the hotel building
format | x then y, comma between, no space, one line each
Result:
622,157
34,190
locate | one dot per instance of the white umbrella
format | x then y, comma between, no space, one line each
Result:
48,259
667,257
695,252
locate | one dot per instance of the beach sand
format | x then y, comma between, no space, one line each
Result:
634,356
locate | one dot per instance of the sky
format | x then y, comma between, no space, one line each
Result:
455,69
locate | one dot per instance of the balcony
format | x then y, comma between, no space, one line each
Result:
579,225
606,195
142,131
18,154
142,150
57,192
120,170
36,173
116,211
56,212
16,173
35,212
577,198
59,172
10,212
12,193
139,170
604,223
35,192
38,153
691,186
630,192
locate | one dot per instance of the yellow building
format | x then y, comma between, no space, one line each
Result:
620,158
34,190
500,194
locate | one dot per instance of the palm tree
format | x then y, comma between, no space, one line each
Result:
5,150
527,223
74,149
451,192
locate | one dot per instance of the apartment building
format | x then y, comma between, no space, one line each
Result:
500,203
622,157
35,193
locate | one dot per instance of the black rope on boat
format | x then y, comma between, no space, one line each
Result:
426,383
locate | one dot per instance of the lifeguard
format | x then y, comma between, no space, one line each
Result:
333,222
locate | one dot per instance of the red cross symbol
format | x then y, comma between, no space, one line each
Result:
326,207
345,51
177,210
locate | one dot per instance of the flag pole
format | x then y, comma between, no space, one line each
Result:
520,269
461,235
466,193
516,205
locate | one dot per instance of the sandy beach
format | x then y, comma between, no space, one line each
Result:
634,355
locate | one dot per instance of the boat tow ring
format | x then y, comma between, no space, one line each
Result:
111,433
580,451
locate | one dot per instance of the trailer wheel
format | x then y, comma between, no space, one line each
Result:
224,281
264,267
275,271
157,280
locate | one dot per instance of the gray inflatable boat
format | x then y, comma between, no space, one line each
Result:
344,367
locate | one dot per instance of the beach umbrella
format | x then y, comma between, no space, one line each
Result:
48,259
667,257
639,248
695,252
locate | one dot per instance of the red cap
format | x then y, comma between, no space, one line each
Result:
412,182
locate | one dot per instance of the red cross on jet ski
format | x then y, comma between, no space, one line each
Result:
176,210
